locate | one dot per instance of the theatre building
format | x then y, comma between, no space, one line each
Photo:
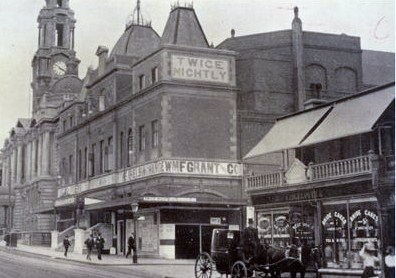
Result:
335,189
150,145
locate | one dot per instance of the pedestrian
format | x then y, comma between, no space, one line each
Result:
131,245
368,254
390,262
99,245
89,242
66,244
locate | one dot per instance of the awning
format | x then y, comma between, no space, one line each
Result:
352,116
287,133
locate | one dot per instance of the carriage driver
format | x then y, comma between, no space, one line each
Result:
250,240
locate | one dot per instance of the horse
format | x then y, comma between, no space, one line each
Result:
272,260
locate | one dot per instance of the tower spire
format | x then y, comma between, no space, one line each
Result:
136,17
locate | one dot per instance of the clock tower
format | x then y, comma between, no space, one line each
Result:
55,56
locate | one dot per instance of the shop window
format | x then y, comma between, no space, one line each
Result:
154,133
347,226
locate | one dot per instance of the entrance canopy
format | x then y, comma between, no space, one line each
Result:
349,116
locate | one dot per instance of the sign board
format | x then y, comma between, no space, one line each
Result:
170,199
65,202
200,69
168,166
215,221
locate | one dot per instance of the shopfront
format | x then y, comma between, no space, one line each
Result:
335,222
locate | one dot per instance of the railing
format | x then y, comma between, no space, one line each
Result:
315,172
263,181
340,168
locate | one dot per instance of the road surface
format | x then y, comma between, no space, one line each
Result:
25,265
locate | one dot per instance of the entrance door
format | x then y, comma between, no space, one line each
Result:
120,237
187,242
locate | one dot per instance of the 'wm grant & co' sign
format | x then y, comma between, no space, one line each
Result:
175,167
200,69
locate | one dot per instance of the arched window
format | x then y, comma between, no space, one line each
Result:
315,81
346,80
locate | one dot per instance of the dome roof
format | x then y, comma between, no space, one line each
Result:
137,41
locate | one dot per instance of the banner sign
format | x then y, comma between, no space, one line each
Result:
200,69
65,202
174,167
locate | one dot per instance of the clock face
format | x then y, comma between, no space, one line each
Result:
59,68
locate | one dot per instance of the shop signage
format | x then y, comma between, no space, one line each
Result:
184,167
215,221
170,199
174,167
65,202
332,215
200,69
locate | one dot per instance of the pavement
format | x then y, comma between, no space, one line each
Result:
166,268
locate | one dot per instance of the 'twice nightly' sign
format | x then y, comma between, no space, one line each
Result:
200,69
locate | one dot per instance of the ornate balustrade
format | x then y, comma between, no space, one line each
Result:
315,172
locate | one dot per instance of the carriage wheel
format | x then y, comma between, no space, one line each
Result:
239,270
203,266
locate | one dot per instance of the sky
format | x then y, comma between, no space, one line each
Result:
102,22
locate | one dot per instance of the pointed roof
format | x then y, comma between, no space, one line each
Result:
183,28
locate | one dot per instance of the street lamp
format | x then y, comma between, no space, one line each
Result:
135,207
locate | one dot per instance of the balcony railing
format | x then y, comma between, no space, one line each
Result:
340,168
315,172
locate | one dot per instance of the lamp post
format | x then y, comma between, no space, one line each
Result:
135,207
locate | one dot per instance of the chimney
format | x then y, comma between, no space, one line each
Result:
102,54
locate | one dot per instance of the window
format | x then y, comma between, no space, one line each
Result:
102,102
70,164
129,147
64,125
122,140
71,121
110,157
154,133
142,81
142,138
59,35
59,3
101,156
79,164
154,75
92,160
85,163
347,225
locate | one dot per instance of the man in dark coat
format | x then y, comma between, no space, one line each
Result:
89,242
131,245
100,245
250,240
66,244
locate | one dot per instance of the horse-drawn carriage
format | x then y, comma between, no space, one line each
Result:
228,257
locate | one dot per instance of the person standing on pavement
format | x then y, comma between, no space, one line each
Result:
89,242
66,245
131,245
368,254
390,262
99,245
